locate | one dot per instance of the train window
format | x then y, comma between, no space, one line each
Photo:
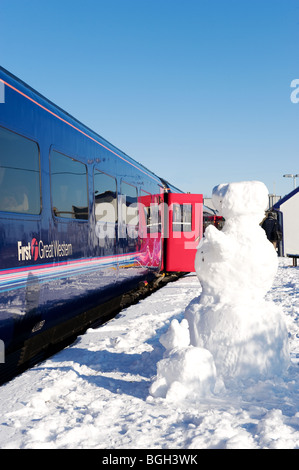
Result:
149,204
182,218
130,204
68,187
156,215
19,174
129,228
145,209
105,197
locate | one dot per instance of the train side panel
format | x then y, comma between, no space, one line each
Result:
59,258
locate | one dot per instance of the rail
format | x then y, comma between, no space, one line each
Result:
295,257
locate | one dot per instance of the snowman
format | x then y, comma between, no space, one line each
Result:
236,267
230,332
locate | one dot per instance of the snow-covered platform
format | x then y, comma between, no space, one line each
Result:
96,393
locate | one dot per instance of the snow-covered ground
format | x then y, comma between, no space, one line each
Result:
95,393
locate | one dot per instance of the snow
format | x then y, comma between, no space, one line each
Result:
95,393
210,361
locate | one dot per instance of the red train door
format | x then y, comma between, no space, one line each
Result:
185,225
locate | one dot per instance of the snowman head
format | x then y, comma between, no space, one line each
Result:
249,198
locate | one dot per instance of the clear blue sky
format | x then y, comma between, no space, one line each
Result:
196,90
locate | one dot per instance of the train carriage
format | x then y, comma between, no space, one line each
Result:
80,225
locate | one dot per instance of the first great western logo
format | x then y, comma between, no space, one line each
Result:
38,250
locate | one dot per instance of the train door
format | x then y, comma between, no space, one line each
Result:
185,215
150,229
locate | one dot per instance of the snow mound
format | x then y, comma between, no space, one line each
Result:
185,371
177,336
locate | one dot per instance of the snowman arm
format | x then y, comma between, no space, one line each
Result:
221,243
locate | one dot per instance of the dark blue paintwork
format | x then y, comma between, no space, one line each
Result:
37,294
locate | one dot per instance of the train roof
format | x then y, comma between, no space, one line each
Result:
170,187
209,211
108,144
285,198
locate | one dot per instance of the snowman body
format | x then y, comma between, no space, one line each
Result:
236,267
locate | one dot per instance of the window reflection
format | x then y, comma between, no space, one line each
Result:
19,174
182,218
129,204
105,197
68,187
130,216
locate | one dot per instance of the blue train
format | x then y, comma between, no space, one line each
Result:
81,225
